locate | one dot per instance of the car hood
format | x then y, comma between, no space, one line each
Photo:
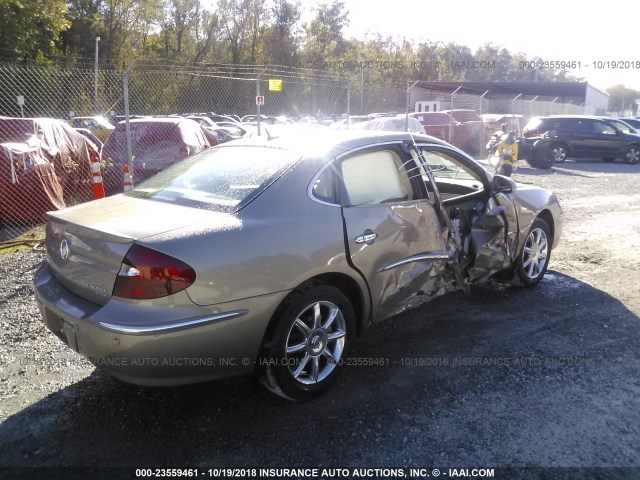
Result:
534,198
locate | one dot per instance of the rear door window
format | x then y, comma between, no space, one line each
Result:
376,177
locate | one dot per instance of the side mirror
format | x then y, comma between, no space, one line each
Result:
504,184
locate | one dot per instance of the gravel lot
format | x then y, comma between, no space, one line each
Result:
503,377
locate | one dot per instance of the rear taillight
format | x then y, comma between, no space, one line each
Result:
534,133
146,273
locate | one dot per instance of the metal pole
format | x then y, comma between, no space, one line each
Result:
513,113
566,106
257,95
21,111
481,97
361,88
451,109
406,113
257,103
95,78
127,127
348,105
531,105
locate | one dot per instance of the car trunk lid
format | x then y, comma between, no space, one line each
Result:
87,243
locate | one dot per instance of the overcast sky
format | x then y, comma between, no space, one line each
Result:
551,29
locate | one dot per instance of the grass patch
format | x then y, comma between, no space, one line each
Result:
24,241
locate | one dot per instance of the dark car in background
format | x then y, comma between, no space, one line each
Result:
623,126
547,140
156,143
632,122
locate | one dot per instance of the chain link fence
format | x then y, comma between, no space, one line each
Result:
45,164
467,120
57,124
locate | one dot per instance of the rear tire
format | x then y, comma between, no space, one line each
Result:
311,340
560,152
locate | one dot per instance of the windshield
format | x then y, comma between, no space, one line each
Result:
223,179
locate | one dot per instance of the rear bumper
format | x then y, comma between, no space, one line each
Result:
170,342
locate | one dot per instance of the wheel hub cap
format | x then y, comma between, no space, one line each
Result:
317,342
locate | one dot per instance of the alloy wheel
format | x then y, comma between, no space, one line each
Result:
535,253
559,153
632,155
315,342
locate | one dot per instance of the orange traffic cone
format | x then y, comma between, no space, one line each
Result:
96,177
128,181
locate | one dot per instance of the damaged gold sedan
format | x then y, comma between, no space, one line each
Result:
270,255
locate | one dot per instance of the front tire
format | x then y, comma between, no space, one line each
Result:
311,339
632,154
534,258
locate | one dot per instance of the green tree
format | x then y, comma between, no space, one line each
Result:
282,37
31,30
128,27
324,34
622,98
86,24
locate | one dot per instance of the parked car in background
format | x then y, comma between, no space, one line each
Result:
116,119
156,143
271,255
397,123
437,124
99,126
91,137
632,122
552,139
268,120
44,165
621,125
218,118
202,120
233,129
465,132
494,121
220,133
471,130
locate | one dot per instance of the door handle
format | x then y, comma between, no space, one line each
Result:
367,237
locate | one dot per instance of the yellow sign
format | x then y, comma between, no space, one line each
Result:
275,85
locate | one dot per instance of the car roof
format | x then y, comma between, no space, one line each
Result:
157,120
332,142
590,117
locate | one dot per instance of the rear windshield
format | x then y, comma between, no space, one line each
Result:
223,179
149,133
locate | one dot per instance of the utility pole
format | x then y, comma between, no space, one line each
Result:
95,77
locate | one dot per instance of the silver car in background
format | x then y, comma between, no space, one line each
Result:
270,255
